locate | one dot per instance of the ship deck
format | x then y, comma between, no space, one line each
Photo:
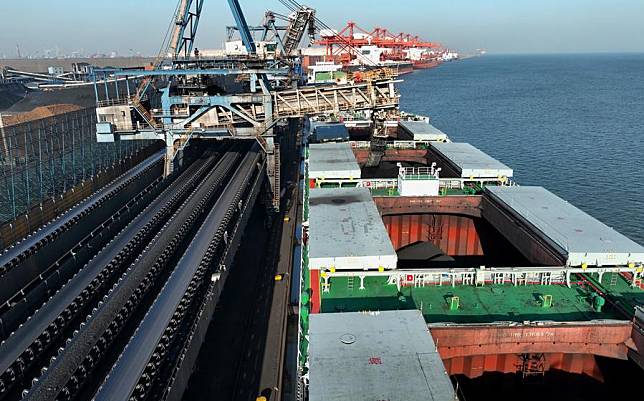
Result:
472,189
509,288
487,304
351,353
333,160
620,291
347,231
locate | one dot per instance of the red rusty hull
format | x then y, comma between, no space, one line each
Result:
637,348
571,347
420,156
475,366
460,205
426,64
455,235
453,223
395,155
447,222
316,296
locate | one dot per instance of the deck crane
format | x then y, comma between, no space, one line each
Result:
288,36
186,96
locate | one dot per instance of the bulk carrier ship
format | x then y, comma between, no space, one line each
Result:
423,258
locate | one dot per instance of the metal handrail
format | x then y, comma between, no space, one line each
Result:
113,102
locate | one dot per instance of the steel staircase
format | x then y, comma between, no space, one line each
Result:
262,142
147,117
183,142
276,181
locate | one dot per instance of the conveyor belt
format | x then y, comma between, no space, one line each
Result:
66,233
76,361
170,305
55,274
126,272
68,302
54,226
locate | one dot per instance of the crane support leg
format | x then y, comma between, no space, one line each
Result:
272,150
173,155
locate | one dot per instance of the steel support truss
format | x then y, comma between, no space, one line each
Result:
237,116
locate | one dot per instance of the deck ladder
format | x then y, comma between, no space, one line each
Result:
613,279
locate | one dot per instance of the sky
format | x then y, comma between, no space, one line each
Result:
498,26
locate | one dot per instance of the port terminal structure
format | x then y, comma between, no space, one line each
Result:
114,297
185,102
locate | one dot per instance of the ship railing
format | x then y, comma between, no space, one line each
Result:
133,126
393,145
409,145
392,183
451,183
381,183
418,173
360,144
121,101
375,184
302,332
402,145
113,102
481,276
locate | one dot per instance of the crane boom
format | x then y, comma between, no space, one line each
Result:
184,31
298,22
242,26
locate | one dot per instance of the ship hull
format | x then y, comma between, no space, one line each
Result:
472,350
426,64
402,68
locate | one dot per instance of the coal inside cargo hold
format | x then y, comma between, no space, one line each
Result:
329,132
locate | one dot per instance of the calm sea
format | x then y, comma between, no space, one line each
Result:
573,124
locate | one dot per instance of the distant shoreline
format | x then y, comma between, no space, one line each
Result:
41,65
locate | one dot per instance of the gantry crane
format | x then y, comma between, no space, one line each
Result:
353,37
187,96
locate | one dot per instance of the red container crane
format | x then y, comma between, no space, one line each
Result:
343,45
